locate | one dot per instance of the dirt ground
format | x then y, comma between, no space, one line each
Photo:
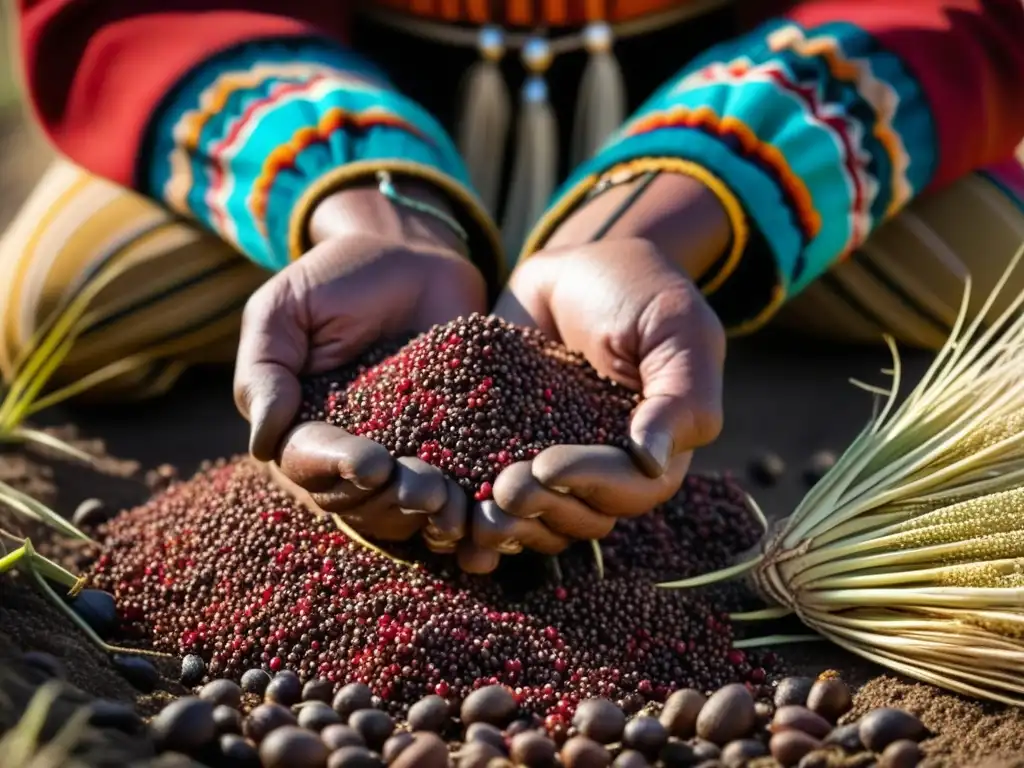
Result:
783,395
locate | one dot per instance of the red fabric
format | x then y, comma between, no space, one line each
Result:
97,69
968,56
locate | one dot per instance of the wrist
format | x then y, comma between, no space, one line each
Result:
680,215
361,208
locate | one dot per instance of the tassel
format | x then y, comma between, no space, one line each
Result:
601,103
484,118
535,167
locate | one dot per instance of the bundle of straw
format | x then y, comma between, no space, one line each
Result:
910,552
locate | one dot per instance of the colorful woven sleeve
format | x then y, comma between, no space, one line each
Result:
241,114
815,128
248,142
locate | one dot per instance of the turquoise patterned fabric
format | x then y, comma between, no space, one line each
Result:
820,133
238,143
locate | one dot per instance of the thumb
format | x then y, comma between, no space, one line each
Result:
682,353
272,350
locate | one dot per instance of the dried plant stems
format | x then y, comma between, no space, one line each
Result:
910,552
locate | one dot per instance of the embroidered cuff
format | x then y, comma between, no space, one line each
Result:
819,134
253,139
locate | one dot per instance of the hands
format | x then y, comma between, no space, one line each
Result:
640,321
375,272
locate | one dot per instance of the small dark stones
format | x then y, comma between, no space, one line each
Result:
830,697
705,750
789,747
532,749
645,735
831,756
90,513
881,727
767,469
583,752
478,754
339,735
352,697
97,609
104,713
255,681
185,725
729,714
793,690
265,719
284,689
820,464
846,737
193,669
901,754
316,715
354,757
431,713
237,752
793,717
318,690
492,704
373,725
486,733
423,750
227,719
679,715
137,671
738,753
225,692
46,663
394,746
630,759
679,754
600,720
293,747
765,711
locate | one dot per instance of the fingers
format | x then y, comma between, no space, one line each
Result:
681,374
605,478
519,492
448,526
493,529
473,558
419,486
325,459
271,351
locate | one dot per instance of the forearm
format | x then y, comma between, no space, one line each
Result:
678,214
811,131
362,209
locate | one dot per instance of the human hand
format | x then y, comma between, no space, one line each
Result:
640,321
376,272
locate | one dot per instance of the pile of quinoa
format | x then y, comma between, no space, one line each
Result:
229,567
471,397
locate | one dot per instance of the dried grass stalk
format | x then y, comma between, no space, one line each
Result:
910,551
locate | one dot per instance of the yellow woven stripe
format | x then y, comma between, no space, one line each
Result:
170,275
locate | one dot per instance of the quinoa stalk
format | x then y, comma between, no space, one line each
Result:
910,551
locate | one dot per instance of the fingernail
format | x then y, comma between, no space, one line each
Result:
653,451
407,511
509,547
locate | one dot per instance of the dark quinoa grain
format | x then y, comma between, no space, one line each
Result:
228,567
437,398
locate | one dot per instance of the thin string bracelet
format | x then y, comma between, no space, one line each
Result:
646,180
387,188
